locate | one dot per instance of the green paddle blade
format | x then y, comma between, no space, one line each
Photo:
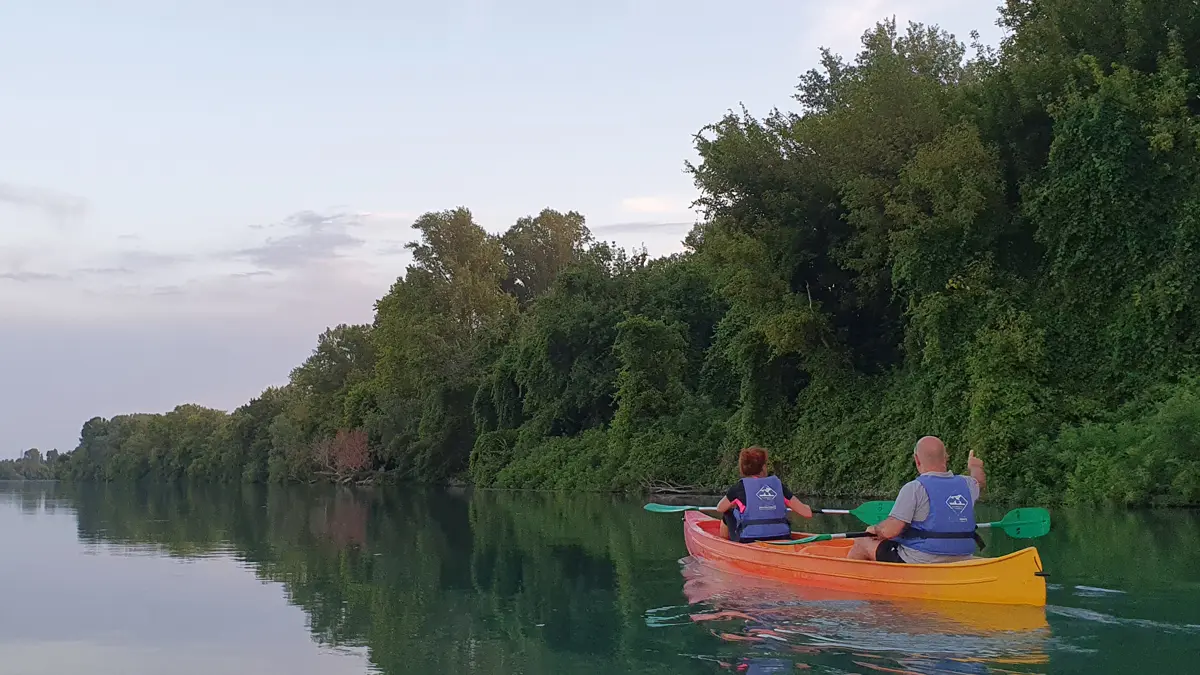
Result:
667,508
1026,523
873,513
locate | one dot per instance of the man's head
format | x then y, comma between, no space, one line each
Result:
930,455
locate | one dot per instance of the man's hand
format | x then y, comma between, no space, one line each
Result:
974,463
975,468
890,528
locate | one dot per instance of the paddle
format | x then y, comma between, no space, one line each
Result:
1022,523
870,513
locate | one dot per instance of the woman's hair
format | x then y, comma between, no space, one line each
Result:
752,460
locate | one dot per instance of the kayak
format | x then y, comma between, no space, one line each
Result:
1013,579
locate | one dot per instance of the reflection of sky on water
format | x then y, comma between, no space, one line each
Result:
56,657
767,627
132,611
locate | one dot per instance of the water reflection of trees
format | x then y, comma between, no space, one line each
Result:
446,581
423,579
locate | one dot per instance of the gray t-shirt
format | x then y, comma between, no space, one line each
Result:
912,505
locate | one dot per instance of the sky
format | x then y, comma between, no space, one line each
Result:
191,192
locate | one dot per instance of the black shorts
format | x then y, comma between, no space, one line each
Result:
888,551
730,522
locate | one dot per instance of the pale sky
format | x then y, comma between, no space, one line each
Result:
190,192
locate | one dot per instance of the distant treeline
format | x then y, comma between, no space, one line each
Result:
30,466
999,248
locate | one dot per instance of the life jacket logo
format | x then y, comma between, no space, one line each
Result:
957,502
765,492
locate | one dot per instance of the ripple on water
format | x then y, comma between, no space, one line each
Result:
1096,592
756,619
1082,614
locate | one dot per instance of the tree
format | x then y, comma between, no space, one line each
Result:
430,330
538,249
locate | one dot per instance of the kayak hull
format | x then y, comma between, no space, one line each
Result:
1008,580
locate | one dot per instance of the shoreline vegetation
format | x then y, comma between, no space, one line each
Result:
996,246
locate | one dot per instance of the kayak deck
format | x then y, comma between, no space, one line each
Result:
1010,580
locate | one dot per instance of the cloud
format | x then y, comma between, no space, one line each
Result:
308,265
131,263
27,277
140,260
657,238
307,239
103,271
657,205
386,215
58,205
392,247
642,227
316,238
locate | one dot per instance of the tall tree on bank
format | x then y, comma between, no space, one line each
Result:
431,330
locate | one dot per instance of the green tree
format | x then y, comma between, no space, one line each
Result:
430,330
538,249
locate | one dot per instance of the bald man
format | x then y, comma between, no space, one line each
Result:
933,520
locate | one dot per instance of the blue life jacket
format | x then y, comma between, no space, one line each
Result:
950,527
764,515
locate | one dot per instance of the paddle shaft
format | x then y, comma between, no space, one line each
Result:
856,535
713,508
850,535
978,526
870,513
1008,524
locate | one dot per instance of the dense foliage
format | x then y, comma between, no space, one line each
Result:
997,248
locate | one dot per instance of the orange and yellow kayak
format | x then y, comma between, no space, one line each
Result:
1008,580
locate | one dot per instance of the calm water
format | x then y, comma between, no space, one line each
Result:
105,579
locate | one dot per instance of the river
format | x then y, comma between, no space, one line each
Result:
115,579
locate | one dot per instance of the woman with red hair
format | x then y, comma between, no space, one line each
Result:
755,508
